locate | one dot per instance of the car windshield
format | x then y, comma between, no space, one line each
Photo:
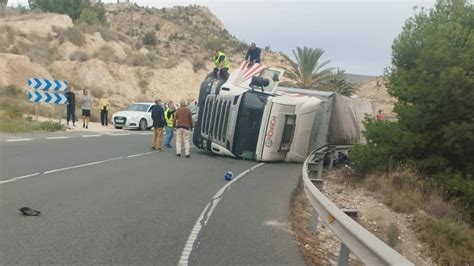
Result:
138,107
248,124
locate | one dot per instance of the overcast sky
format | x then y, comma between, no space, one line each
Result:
356,35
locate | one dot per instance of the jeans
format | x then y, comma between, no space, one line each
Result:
222,73
182,135
168,135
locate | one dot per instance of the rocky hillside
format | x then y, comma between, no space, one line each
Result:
376,91
118,59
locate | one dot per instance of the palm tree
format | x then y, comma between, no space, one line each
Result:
337,82
307,72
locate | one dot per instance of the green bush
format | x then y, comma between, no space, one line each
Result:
150,38
49,126
450,243
392,235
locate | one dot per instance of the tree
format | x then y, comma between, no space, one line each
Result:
337,82
307,72
93,15
3,4
433,78
72,8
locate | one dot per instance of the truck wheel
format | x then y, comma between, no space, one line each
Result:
142,125
118,127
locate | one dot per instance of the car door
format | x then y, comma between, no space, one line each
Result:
148,118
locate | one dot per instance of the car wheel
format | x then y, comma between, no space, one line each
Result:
118,127
142,125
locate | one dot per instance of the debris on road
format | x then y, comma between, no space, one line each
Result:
29,212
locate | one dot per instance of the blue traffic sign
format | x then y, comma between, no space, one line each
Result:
39,96
47,85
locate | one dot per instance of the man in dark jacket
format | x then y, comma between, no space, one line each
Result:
158,116
253,55
71,107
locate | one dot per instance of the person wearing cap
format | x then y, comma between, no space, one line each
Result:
183,122
158,117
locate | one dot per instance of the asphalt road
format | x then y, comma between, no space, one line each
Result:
108,200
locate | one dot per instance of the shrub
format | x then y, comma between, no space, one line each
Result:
450,243
75,36
392,235
10,91
198,65
138,59
109,35
106,54
150,38
157,27
79,55
50,126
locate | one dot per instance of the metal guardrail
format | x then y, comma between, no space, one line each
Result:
355,238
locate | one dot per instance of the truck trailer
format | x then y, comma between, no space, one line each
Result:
250,116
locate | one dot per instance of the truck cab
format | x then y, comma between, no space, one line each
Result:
249,116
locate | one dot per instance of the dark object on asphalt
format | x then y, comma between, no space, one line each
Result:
29,212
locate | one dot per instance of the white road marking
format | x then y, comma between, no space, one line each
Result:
91,136
82,165
203,218
16,140
62,137
74,167
120,134
140,154
18,178
146,133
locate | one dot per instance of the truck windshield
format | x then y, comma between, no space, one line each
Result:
248,124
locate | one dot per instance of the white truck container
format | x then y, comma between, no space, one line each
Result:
250,117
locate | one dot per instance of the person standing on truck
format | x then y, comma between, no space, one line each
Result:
253,55
169,117
183,122
86,108
221,62
379,116
104,107
71,107
158,116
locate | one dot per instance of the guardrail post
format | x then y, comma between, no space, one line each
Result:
314,174
344,252
332,155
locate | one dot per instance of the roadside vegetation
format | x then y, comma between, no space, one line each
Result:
423,163
12,110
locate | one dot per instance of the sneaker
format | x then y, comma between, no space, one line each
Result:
188,156
178,155
153,148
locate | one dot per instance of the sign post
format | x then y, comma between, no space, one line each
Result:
47,91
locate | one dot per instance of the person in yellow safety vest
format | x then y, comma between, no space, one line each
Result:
169,117
104,107
222,65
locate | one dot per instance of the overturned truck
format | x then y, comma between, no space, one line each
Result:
249,116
